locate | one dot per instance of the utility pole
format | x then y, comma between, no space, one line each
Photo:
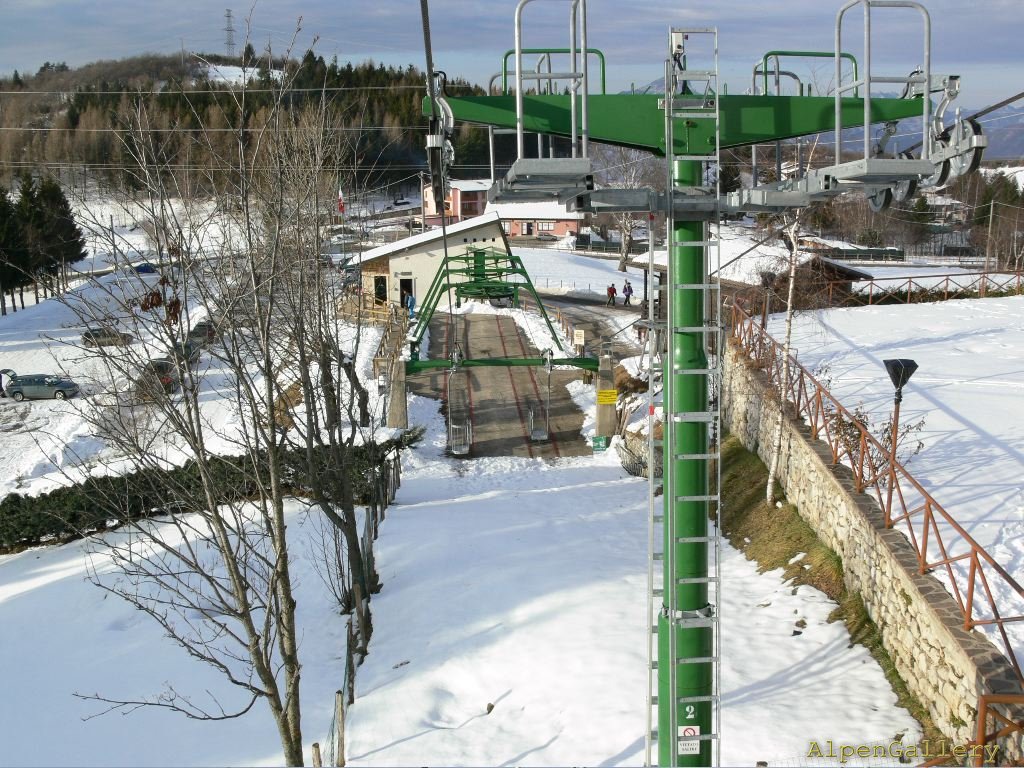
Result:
988,249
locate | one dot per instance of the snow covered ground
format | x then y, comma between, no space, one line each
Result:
512,582
968,389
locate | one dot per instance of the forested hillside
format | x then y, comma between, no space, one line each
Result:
73,120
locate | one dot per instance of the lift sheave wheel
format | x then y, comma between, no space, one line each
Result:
941,175
902,191
880,200
970,161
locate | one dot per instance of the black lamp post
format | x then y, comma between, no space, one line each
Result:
900,371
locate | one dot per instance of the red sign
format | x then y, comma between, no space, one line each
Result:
341,202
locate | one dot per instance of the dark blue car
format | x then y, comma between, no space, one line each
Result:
145,268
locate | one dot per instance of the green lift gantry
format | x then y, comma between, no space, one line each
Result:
482,273
689,124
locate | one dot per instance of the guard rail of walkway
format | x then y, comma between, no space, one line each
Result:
924,287
941,544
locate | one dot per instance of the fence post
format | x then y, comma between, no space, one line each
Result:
339,728
317,760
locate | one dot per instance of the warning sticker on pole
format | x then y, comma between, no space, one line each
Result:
607,396
578,337
689,746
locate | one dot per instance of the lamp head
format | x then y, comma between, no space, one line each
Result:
900,371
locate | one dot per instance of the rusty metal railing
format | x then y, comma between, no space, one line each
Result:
972,576
919,288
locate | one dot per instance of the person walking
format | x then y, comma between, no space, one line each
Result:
611,296
410,304
627,292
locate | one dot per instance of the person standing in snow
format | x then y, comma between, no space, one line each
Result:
627,291
410,304
611,296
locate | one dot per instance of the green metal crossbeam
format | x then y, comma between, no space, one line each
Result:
638,120
585,363
479,273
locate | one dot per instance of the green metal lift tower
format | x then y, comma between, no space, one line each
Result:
689,124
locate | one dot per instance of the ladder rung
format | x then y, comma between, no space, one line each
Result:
695,539
705,497
696,580
657,443
695,456
696,699
696,371
705,417
692,114
695,328
698,660
658,592
658,556
658,518
696,286
694,158
694,74
695,623
693,243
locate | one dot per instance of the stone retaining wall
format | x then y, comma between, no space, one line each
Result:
945,666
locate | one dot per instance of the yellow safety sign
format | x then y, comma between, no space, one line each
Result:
607,396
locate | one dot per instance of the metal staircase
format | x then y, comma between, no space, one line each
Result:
683,536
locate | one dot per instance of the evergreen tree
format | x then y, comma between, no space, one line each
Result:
13,251
64,241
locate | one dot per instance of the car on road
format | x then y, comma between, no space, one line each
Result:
105,337
204,331
41,386
546,237
158,376
187,351
144,268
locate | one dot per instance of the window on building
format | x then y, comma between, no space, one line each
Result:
545,226
506,227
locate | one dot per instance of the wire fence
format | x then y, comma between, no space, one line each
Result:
384,484
921,288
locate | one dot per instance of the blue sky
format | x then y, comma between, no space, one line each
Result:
979,40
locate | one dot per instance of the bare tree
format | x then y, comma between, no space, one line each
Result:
216,572
625,168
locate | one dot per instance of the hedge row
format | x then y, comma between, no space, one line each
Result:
98,502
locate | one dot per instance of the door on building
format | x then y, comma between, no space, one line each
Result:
380,288
405,288
527,227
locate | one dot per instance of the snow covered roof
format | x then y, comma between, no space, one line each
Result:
425,237
470,185
543,210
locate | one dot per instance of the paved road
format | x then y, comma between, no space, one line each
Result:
599,321
499,399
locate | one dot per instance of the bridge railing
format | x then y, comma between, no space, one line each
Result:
987,595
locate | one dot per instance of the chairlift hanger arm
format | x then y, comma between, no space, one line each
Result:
637,121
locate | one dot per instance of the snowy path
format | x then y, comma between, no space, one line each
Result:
521,584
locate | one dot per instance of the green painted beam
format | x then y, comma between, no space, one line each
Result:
638,121
584,363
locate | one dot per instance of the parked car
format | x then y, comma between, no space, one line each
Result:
144,268
105,337
203,332
546,237
187,351
37,386
158,376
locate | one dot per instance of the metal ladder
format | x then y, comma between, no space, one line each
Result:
693,719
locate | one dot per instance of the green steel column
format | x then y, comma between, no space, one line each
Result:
685,394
